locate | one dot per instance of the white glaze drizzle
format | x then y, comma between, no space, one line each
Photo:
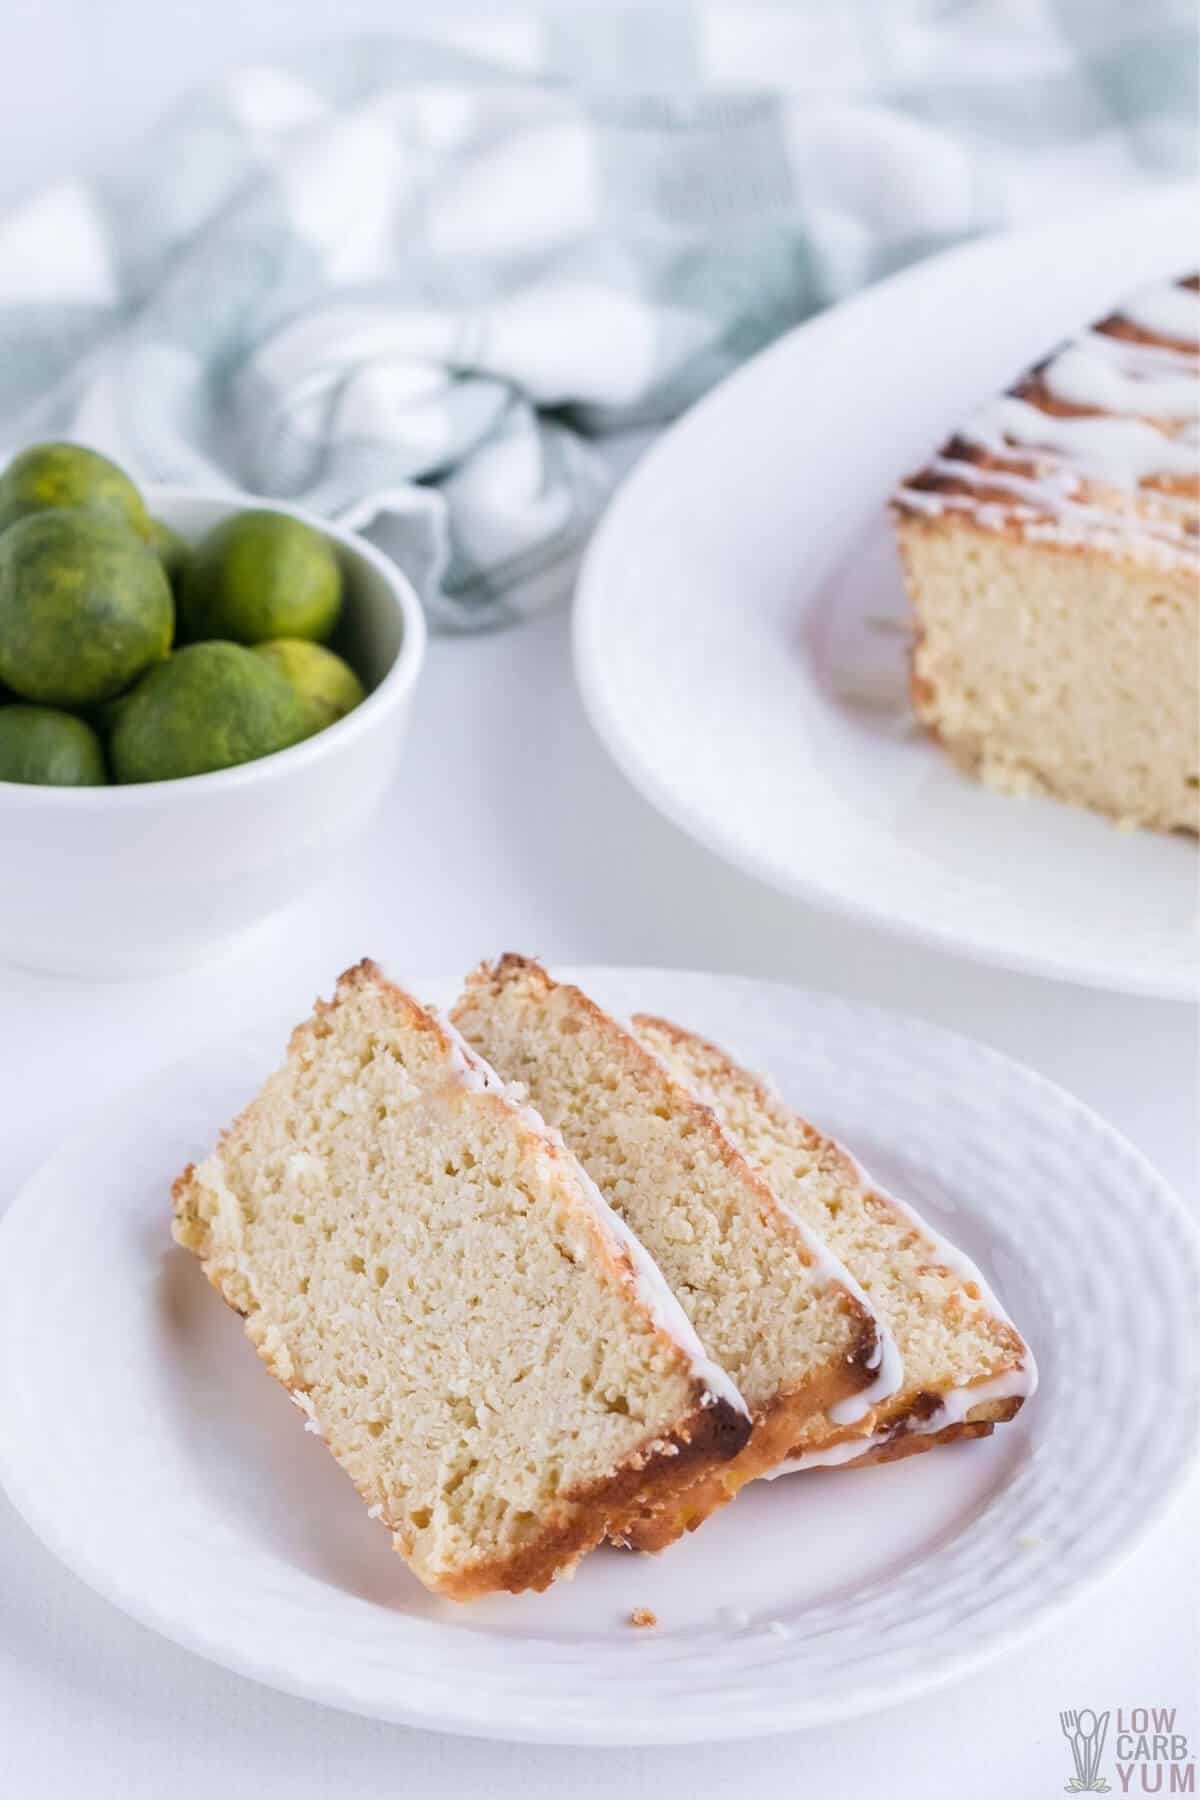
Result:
954,1402
885,1361
1038,525
1061,486
1124,451
1082,377
1136,357
1169,311
1143,428
651,1285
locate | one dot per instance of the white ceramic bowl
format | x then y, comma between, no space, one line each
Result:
126,881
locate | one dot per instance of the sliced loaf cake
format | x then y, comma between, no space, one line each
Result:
966,1368
768,1300
495,1363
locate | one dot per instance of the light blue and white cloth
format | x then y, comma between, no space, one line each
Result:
419,286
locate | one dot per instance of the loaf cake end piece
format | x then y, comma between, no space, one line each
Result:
1051,553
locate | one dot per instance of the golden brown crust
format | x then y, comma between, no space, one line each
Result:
904,1406
1062,503
1015,461
795,1419
861,1360
712,1433
657,1470
587,1516
659,1531
781,1431
1032,387
366,973
979,1422
905,1413
911,525
510,966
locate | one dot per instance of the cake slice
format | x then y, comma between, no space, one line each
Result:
1052,557
486,1351
966,1368
768,1300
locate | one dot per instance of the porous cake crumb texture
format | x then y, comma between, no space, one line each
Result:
428,1276
1052,556
1044,669
771,1309
947,1335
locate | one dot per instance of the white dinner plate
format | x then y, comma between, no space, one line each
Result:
143,1441
740,631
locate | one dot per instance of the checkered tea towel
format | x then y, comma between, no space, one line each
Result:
418,286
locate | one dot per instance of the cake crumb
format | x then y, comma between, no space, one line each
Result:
777,1628
735,1618
641,1615
1028,1540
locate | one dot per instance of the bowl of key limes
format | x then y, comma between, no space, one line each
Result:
202,702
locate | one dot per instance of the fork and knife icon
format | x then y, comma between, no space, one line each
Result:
1085,1732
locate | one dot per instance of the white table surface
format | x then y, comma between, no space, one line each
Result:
509,828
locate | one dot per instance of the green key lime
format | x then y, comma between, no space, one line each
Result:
326,687
54,475
173,551
207,707
49,749
261,575
84,608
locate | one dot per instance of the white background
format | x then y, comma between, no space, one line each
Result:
508,828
